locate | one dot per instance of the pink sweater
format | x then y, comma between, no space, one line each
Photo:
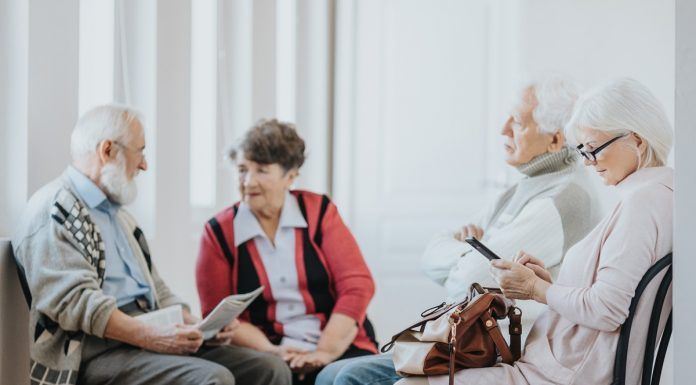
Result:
574,341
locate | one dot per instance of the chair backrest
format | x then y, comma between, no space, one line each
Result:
652,364
14,322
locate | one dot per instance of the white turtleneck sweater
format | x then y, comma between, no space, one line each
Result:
544,214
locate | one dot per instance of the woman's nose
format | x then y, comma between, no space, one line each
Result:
247,179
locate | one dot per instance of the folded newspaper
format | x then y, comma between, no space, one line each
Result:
225,311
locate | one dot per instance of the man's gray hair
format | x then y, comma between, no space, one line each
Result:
623,106
556,96
106,122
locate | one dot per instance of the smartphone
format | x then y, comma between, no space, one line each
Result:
481,248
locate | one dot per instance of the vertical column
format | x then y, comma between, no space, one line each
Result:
174,250
343,138
14,38
684,339
204,83
264,56
96,54
235,85
52,88
314,89
135,82
14,42
286,59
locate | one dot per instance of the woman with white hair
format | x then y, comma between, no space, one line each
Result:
625,136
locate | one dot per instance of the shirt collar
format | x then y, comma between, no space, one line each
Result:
88,191
247,227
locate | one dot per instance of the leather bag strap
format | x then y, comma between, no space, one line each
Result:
494,331
515,316
451,365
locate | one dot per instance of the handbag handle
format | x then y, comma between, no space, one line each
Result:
430,314
431,310
476,288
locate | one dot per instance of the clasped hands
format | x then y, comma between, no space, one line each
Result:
301,361
525,277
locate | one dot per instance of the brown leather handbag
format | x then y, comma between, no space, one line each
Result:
458,336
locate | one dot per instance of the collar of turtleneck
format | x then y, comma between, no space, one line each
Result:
549,162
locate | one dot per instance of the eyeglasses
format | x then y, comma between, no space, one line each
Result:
592,155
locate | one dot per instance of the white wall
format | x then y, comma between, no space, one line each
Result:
595,40
684,339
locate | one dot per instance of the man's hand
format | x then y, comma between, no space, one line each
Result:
175,339
224,337
470,230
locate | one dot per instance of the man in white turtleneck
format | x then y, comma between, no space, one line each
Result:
545,213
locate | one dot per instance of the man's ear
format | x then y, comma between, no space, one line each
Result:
105,151
557,141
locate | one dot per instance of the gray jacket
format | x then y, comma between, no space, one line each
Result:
60,252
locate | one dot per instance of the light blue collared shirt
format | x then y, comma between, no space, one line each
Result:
300,330
123,278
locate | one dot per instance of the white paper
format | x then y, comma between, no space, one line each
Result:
163,317
227,310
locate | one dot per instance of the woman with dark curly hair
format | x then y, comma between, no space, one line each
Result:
294,244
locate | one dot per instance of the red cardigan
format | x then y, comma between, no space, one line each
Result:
332,273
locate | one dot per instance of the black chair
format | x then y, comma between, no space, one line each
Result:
652,364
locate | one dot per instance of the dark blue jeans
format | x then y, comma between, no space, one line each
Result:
368,370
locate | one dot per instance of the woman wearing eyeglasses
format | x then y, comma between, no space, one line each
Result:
625,137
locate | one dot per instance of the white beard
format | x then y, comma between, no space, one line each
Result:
115,181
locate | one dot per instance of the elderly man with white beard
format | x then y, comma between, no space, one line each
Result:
88,273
